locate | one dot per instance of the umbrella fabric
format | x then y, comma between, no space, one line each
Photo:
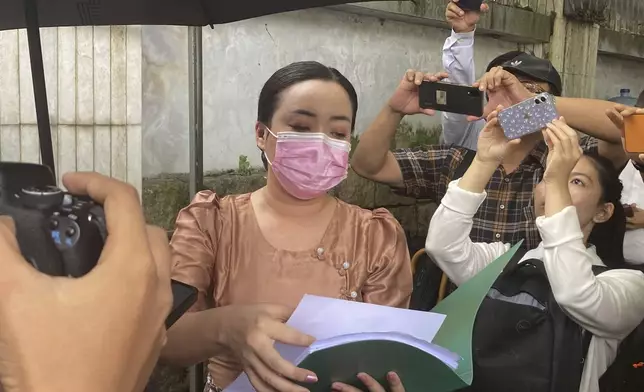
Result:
147,12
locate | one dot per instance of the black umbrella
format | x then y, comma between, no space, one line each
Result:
53,13
32,14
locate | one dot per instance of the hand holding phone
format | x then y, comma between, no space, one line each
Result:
451,98
529,116
469,5
634,133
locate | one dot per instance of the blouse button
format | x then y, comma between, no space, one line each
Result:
354,294
346,265
320,251
506,179
497,235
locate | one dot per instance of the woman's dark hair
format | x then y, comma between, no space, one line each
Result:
501,59
608,237
295,73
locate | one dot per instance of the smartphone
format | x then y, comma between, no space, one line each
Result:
528,117
634,133
469,5
183,297
451,98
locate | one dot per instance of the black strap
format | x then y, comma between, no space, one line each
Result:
516,258
468,157
40,89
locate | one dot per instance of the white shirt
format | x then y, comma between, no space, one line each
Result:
458,62
633,193
609,305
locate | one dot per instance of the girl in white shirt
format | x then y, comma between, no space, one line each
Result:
578,199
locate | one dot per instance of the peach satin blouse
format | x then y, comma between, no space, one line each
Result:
219,248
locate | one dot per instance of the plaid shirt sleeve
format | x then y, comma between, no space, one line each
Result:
589,144
423,170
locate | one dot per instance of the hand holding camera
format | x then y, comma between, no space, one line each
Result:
118,298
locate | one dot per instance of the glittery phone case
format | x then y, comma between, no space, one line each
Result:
528,117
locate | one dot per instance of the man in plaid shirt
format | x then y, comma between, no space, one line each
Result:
507,213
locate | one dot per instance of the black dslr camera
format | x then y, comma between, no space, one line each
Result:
59,234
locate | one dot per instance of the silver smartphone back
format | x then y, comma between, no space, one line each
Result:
528,117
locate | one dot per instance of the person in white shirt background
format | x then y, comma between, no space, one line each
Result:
579,194
458,62
633,195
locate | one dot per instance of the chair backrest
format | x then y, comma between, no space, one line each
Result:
425,281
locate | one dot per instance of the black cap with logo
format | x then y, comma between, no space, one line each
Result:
535,68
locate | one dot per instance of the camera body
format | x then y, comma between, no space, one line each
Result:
58,233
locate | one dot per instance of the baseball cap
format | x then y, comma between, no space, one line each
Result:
502,59
537,69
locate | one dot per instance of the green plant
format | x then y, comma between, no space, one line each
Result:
243,167
409,136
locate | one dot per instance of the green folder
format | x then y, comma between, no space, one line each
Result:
419,371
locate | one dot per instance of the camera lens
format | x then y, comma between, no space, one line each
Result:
536,101
543,99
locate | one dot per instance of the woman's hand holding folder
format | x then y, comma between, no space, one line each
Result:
395,385
250,333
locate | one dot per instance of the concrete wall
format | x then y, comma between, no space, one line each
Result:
93,78
614,73
238,58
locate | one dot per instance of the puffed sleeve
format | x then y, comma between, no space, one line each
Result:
194,245
389,267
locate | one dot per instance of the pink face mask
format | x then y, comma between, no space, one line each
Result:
307,165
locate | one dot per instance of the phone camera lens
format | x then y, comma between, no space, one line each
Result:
543,99
536,101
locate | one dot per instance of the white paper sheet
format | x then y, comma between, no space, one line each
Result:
326,318
447,357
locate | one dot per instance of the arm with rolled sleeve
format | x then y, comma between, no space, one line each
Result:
608,305
448,240
458,62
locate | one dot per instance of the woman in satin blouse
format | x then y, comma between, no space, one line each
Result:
253,256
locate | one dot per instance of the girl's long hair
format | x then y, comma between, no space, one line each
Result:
608,237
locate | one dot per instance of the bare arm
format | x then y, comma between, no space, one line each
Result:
589,117
196,337
477,176
372,158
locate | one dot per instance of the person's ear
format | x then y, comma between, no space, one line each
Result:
260,135
604,213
